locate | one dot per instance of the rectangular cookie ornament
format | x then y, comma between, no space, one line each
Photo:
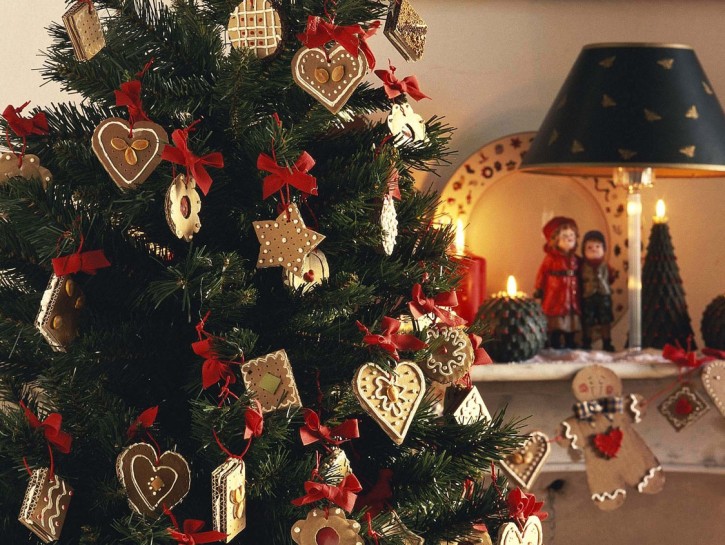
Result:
60,310
270,378
229,499
84,29
45,505
405,29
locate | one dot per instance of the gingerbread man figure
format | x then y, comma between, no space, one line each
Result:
614,453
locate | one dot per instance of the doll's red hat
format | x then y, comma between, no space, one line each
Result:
554,223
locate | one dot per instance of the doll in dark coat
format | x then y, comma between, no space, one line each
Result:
596,277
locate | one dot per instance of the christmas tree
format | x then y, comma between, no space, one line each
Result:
665,319
167,348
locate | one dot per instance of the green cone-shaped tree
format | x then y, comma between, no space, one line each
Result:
138,322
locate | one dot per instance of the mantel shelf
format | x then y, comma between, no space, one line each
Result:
563,365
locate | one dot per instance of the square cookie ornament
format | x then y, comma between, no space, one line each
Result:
60,312
683,407
85,30
229,498
45,505
405,29
255,25
270,378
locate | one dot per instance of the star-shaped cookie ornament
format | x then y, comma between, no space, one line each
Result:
286,241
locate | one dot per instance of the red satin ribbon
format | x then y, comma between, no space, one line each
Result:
522,505
343,495
192,534
253,421
421,306
314,431
129,96
213,369
390,340
144,422
481,357
195,166
352,37
283,176
23,127
87,262
50,425
684,358
377,497
715,353
395,87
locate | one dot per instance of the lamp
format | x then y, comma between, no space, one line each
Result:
632,111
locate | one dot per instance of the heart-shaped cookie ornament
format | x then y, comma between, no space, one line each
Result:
532,533
330,76
713,378
391,399
609,443
524,464
128,156
152,484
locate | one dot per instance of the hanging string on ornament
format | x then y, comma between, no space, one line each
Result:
23,127
52,432
214,369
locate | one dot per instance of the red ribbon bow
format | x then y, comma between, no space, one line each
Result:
390,340
481,357
253,421
343,495
314,431
522,505
87,262
195,166
24,126
395,87
213,369
376,498
50,425
192,534
284,176
130,96
683,358
352,37
421,306
144,421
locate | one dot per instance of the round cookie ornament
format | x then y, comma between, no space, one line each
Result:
256,25
182,206
451,354
319,529
316,270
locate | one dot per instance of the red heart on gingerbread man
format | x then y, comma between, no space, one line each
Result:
609,443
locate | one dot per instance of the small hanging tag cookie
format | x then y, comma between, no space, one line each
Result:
129,157
181,207
330,76
451,354
405,29
466,406
532,534
331,528
45,505
152,483
524,464
315,271
255,25
285,241
270,378
683,407
335,466
229,498
713,378
84,30
405,125
60,312
29,170
389,224
391,399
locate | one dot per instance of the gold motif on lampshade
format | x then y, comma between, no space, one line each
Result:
633,105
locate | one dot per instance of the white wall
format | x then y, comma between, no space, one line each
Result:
493,68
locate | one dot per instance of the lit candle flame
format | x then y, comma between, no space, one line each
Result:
460,238
511,287
660,212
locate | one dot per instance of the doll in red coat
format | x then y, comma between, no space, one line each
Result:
557,282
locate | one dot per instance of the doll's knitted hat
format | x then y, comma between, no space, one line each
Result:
554,223
594,235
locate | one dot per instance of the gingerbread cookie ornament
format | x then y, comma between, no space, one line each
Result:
271,380
229,498
329,75
524,464
29,169
451,354
405,125
326,527
182,206
531,534
60,311
84,30
45,505
614,453
713,379
255,25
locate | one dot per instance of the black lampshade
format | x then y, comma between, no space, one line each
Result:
632,105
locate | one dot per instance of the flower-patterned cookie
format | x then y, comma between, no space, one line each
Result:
182,207
451,354
332,527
